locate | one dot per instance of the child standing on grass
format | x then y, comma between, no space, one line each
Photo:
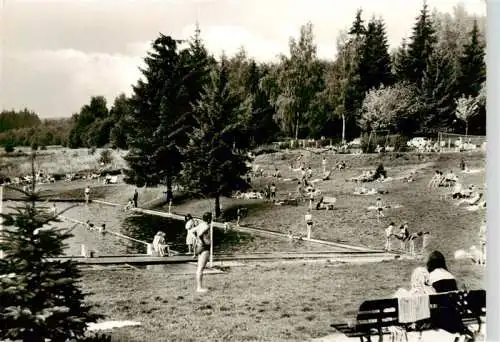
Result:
380,209
309,223
273,191
323,162
87,194
389,231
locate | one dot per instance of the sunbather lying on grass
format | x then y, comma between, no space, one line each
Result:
472,200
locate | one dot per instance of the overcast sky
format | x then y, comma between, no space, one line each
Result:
56,54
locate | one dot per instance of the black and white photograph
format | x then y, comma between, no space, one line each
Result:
236,170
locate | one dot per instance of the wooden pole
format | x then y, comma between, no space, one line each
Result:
211,244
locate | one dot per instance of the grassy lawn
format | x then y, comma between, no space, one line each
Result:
267,302
57,160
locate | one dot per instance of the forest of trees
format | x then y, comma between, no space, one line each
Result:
413,90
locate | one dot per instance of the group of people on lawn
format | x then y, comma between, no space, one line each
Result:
406,238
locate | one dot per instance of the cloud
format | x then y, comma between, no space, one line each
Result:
58,82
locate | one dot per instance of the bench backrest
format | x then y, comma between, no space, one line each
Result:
328,199
376,314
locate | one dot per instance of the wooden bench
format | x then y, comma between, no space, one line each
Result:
329,202
376,316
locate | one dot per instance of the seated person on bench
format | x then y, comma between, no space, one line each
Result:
419,285
326,203
443,281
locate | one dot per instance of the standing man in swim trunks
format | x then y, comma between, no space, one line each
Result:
203,238
87,194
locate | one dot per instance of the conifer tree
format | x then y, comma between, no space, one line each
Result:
40,298
212,166
400,62
162,112
472,65
353,90
358,28
375,63
420,47
437,93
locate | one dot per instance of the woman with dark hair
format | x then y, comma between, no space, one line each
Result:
439,276
446,317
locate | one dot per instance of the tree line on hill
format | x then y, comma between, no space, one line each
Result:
24,128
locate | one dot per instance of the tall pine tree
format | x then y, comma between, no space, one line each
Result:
420,47
358,28
162,111
375,64
400,61
212,166
472,65
437,94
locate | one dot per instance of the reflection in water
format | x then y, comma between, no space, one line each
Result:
144,227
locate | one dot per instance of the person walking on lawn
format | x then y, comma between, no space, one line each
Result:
135,198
